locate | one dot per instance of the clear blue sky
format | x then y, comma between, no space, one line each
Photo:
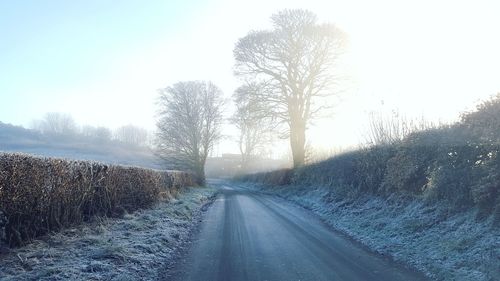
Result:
49,48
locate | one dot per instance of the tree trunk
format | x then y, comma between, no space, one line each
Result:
244,163
298,142
200,174
199,168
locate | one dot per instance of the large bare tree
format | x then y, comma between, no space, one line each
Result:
189,124
294,62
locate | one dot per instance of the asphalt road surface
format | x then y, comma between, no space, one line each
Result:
250,236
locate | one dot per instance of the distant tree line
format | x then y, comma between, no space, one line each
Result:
62,125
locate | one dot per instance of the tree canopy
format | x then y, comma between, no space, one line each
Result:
294,64
189,124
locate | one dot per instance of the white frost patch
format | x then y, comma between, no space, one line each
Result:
134,247
444,247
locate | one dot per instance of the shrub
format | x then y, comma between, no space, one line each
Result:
371,168
338,170
407,171
39,195
485,191
483,124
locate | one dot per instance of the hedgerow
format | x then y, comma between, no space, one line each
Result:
41,195
457,166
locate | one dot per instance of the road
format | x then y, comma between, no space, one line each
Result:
249,236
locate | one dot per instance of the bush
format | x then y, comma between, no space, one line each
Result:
407,171
371,168
485,190
39,195
334,171
483,124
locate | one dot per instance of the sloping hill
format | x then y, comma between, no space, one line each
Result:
18,139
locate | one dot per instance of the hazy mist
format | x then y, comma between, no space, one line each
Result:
103,63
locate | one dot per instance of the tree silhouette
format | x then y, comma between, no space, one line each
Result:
189,125
293,62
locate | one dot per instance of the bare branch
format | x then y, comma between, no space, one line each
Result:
294,63
189,124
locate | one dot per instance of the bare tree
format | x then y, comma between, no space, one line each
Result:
56,123
294,61
252,121
131,134
189,124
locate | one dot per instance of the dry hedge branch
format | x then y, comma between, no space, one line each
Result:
40,195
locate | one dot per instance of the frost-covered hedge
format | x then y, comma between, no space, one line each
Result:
277,177
456,176
456,166
39,195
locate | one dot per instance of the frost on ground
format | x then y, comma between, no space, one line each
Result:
134,247
444,247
